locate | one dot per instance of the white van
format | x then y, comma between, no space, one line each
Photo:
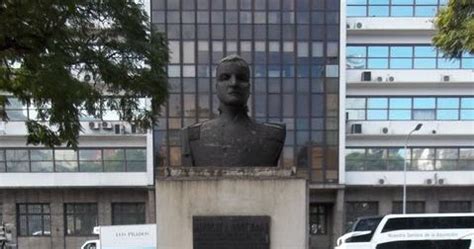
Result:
413,231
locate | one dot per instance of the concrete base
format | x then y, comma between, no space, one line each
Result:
274,193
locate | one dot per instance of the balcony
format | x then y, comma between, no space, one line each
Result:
400,128
93,128
389,25
414,178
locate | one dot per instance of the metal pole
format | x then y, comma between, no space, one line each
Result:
405,162
405,176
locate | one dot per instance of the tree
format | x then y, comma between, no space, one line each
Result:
64,56
455,28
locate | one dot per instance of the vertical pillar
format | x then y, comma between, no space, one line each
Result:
150,207
339,216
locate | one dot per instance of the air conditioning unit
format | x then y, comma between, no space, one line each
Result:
429,181
385,130
379,79
358,25
348,25
366,76
94,125
445,78
441,181
356,129
107,126
391,78
381,181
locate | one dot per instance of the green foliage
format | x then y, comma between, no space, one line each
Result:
455,28
48,47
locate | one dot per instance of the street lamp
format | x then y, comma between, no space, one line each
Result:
417,128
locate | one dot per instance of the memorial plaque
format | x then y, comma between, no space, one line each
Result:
231,232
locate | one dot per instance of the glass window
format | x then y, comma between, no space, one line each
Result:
17,160
318,219
448,64
377,63
355,159
402,11
128,213
136,160
412,207
353,11
425,51
378,51
401,51
400,115
114,160
448,103
424,103
355,103
425,11
455,207
66,160
41,160
81,218
400,103
378,10
377,103
424,63
90,160
34,219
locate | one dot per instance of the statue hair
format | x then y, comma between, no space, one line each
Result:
233,58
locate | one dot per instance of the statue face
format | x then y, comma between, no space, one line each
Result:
233,86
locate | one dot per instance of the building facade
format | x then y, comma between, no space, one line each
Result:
294,50
395,80
350,79
53,198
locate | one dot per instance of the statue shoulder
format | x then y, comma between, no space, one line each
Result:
275,130
192,132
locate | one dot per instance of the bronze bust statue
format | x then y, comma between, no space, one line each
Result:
232,139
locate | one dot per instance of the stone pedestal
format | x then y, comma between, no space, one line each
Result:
186,193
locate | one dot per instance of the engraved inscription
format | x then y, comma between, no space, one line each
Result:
231,232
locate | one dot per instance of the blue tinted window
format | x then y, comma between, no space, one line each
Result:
378,10
377,103
356,11
400,63
447,63
424,103
467,114
447,114
402,2
356,51
400,115
425,51
400,103
355,63
356,2
423,114
426,2
377,115
378,51
425,63
468,63
425,11
377,63
448,103
402,51
467,103
402,11
375,2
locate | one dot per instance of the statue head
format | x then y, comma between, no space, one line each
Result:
233,81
